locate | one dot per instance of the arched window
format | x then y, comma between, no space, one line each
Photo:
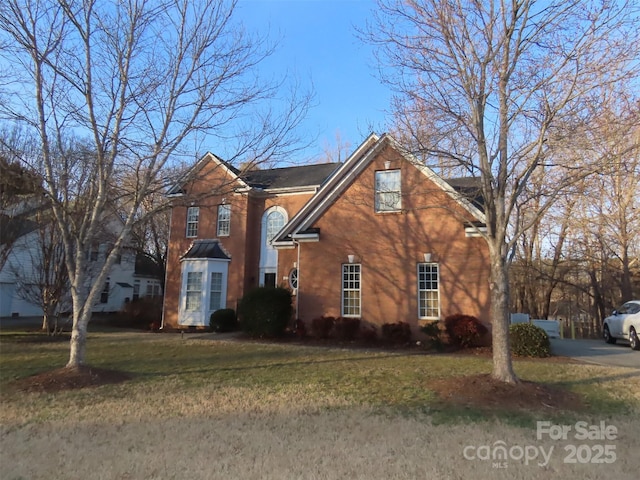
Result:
275,222
273,219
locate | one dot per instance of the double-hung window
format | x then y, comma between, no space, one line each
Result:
351,304
428,291
388,191
215,290
224,220
193,215
194,292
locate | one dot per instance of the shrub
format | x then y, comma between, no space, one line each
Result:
433,332
528,340
223,320
369,334
265,311
346,328
464,330
396,333
322,326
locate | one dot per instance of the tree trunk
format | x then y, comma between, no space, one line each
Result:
45,322
78,346
502,364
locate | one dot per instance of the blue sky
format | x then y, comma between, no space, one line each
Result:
318,44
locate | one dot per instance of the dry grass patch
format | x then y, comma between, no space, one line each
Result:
199,408
347,443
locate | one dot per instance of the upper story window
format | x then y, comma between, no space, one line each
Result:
193,215
388,192
275,222
224,220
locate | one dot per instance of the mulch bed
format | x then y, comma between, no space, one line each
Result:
484,392
69,379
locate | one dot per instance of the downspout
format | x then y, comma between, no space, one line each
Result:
297,244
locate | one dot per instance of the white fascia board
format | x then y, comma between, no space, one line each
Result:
293,190
306,237
200,164
205,259
475,231
283,245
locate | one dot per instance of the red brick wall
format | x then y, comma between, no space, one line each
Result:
243,243
389,246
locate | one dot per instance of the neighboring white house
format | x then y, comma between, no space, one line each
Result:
127,280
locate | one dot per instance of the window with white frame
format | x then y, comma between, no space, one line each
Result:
193,215
194,292
388,191
215,290
351,290
224,220
136,289
428,291
275,222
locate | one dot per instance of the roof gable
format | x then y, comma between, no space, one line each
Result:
348,171
309,176
178,188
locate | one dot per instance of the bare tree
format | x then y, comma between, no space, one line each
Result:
491,87
45,281
133,82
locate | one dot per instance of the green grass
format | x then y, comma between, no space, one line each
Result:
173,374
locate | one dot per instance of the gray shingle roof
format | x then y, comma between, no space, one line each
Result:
207,249
288,177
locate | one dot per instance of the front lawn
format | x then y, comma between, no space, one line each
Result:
194,403
197,364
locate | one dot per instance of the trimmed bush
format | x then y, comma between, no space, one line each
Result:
433,332
528,340
464,331
322,326
223,320
368,334
396,333
346,328
265,311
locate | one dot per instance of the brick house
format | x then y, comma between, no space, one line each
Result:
380,237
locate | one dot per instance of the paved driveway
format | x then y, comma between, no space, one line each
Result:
597,351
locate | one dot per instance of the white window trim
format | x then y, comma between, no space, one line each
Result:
216,292
192,223
418,290
205,267
343,290
377,207
227,221
187,291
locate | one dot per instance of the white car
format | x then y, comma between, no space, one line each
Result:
624,324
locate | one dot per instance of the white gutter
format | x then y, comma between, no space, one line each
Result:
298,285
306,237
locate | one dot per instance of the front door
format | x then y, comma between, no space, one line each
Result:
269,279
